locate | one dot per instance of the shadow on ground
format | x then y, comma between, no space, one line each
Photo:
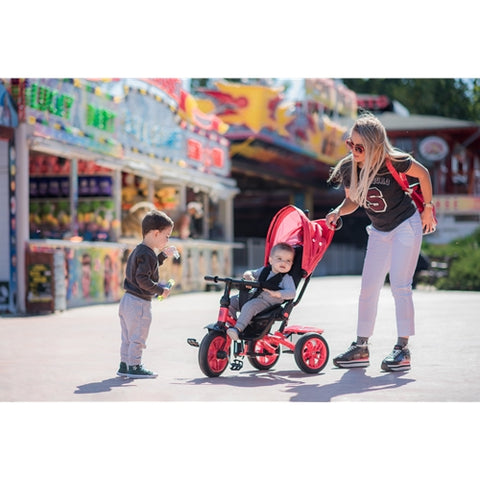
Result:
354,381
104,386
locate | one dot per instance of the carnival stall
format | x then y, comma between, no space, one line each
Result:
281,150
93,156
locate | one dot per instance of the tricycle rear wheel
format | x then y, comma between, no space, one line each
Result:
263,362
311,353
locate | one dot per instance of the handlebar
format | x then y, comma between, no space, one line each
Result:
232,281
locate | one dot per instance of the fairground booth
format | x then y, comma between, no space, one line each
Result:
281,152
82,160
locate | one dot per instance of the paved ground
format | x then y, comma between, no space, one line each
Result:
71,357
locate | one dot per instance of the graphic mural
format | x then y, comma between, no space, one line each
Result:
302,127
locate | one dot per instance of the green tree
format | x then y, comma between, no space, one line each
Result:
475,99
446,97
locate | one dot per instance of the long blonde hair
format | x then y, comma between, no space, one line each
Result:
377,149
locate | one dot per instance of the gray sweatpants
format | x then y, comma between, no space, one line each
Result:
135,319
249,309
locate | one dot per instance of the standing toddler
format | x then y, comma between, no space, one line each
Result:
141,285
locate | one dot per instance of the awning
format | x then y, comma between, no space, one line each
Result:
141,165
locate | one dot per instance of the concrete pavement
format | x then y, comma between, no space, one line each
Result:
65,414
73,355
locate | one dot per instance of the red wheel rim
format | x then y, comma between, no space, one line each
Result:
314,353
217,364
267,359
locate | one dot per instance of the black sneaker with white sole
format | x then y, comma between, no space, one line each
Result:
122,369
398,360
138,371
356,356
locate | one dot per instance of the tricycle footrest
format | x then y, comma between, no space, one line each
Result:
236,364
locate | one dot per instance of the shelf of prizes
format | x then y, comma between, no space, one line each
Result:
81,235
62,274
51,186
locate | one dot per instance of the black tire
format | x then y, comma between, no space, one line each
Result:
263,362
214,353
311,353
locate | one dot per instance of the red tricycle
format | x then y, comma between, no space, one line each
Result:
260,343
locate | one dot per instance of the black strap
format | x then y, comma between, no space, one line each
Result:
270,284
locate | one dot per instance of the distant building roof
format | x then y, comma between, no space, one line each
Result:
393,122
395,117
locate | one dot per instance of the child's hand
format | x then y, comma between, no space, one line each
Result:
171,251
248,276
166,293
273,293
166,289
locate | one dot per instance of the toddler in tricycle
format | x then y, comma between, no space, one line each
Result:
294,246
276,286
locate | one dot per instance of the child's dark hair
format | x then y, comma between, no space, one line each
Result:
282,246
155,220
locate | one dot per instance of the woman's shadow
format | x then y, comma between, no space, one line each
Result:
353,381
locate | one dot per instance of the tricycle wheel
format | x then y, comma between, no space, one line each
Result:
214,353
311,353
263,362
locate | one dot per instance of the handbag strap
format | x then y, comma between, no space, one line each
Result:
401,179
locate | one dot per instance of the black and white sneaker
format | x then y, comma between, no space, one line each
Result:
398,360
122,369
139,371
355,356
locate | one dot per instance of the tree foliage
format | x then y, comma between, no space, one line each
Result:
445,97
463,259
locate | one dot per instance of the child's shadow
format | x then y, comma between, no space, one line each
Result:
103,386
352,382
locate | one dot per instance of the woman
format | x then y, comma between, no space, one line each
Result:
394,236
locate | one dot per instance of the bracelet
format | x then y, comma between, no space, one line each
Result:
428,204
334,210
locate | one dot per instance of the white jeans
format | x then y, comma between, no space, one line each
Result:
396,253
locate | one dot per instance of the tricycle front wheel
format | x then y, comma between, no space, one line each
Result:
214,353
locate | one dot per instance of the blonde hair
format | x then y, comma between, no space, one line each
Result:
377,149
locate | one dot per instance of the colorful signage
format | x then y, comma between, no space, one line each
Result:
73,112
451,204
153,126
8,114
433,148
155,121
332,95
259,111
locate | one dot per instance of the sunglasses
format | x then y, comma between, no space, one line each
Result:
359,148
